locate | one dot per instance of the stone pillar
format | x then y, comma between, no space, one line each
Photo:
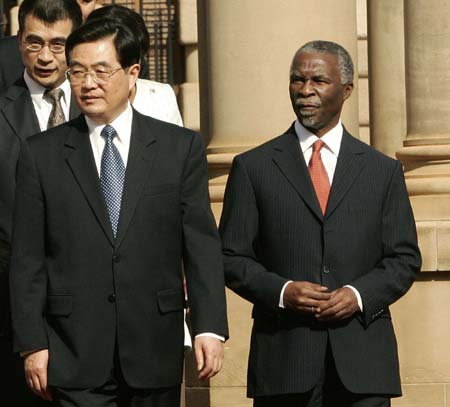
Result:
14,18
422,316
387,75
245,51
426,151
188,39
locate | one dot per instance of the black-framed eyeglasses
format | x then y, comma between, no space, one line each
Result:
100,76
54,47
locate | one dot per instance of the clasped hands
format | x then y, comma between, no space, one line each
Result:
315,299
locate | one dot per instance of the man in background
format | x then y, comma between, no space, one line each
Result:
38,100
11,64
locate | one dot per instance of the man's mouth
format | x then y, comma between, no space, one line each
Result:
44,72
89,98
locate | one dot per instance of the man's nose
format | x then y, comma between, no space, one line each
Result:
306,89
45,55
88,82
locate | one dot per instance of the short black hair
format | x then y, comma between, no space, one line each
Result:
125,16
125,42
50,11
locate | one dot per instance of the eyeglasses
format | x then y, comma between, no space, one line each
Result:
100,76
54,47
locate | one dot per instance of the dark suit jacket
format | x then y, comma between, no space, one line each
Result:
80,292
273,231
11,65
18,121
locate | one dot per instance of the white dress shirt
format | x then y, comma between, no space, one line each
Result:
43,107
329,155
122,125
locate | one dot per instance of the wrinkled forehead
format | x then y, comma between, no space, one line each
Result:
320,63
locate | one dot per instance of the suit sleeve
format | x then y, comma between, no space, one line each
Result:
202,254
28,279
401,259
239,232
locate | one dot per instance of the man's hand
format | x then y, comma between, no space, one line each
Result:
36,364
341,305
304,296
209,356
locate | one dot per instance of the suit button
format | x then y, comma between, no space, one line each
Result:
116,258
112,297
326,270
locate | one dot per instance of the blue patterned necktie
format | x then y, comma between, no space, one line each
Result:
112,176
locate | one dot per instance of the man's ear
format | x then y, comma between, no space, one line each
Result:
348,89
133,71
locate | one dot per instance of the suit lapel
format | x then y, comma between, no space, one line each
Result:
80,159
140,157
348,167
20,113
289,158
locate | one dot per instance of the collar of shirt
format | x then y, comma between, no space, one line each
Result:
332,139
329,152
122,125
42,107
37,91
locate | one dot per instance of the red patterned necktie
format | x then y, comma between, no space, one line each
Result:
319,175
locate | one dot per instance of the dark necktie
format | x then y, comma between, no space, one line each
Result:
57,114
319,175
112,176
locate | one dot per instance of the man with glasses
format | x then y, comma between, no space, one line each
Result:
11,64
108,208
39,99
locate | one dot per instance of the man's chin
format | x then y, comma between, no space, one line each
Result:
310,122
48,82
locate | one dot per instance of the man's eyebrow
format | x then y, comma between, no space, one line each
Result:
31,37
34,37
100,63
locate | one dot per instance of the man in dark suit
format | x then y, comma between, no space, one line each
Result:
318,234
24,111
108,207
11,64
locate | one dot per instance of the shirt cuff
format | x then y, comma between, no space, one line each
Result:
211,335
358,296
281,303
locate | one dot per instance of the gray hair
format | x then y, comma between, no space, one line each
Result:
345,63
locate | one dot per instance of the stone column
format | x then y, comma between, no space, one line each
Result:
245,51
426,151
422,316
188,39
386,75
14,18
